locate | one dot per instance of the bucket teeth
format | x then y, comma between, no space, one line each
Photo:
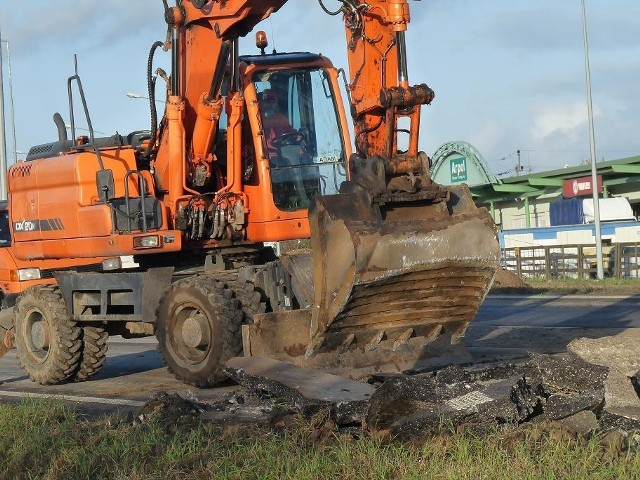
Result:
403,339
435,333
344,347
374,342
314,346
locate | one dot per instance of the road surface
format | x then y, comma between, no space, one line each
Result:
506,327
512,326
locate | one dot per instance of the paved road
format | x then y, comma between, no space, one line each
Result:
132,373
511,326
506,327
576,311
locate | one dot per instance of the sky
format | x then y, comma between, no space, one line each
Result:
508,75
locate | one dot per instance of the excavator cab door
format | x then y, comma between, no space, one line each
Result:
302,135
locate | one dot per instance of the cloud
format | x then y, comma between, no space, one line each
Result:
84,24
553,27
558,119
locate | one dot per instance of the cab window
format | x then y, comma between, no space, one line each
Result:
302,135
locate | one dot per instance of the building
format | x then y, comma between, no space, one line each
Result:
524,201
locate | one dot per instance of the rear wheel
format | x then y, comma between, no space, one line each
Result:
198,329
47,341
94,352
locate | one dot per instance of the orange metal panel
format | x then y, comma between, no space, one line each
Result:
110,246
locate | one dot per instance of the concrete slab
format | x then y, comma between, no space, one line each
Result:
412,406
621,355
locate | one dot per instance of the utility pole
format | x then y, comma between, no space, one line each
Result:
13,109
592,144
3,140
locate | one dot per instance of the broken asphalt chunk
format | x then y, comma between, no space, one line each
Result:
422,404
568,374
308,391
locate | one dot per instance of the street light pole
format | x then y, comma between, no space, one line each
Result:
3,140
592,144
13,109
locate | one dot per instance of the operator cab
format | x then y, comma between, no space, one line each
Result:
301,128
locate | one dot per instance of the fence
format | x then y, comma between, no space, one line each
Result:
620,260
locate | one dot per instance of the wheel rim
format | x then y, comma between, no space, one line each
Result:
191,339
37,335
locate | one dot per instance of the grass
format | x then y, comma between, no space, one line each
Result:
48,440
607,285
568,286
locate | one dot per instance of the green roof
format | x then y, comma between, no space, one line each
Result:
614,172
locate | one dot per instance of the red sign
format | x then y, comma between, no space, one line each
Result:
576,187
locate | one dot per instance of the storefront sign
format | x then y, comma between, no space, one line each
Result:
577,187
458,169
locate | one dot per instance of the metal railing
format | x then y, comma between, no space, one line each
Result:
620,260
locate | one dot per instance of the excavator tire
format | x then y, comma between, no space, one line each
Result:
94,352
48,342
198,329
252,302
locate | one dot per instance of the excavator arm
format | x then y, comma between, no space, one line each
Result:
204,40
379,81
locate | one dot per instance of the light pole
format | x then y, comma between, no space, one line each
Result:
13,110
592,145
3,140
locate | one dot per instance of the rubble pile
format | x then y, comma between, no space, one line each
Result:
594,386
546,388
171,410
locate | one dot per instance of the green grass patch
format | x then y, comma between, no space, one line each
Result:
45,439
611,286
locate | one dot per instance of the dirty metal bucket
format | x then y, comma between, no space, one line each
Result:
400,272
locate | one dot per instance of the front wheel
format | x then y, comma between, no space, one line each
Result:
198,329
48,343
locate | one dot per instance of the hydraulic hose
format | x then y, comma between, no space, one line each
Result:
151,87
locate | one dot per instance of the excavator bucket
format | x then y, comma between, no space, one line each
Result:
395,288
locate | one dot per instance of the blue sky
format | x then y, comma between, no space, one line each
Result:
508,75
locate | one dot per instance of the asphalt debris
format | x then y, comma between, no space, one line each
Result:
171,411
582,391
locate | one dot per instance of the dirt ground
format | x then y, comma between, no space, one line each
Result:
508,279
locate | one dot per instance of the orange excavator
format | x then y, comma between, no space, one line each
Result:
253,149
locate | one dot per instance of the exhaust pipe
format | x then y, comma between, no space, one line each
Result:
62,129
